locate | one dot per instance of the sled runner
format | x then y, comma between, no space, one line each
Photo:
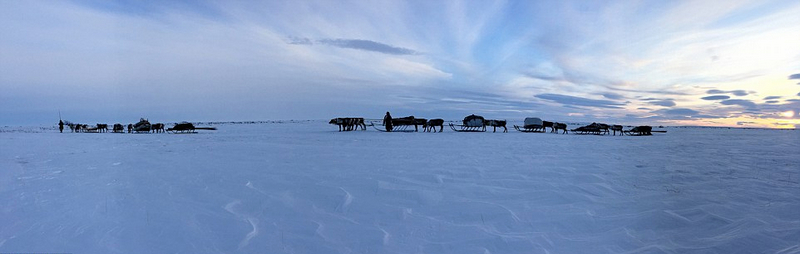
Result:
401,128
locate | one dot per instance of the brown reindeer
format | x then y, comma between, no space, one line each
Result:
546,124
616,128
117,128
101,127
431,125
349,123
157,128
560,126
496,123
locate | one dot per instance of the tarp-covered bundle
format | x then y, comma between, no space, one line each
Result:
183,126
142,125
474,121
533,122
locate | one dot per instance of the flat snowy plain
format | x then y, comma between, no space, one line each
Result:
303,187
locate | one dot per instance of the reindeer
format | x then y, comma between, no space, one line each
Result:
546,124
616,128
117,128
340,122
496,123
82,128
419,121
359,121
101,127
431,125
560,126
157,128
349,123
603,128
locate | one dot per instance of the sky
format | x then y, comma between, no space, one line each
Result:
706,63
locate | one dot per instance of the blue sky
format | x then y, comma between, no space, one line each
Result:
720,63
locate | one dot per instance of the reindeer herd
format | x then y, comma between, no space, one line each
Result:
143,126
474,123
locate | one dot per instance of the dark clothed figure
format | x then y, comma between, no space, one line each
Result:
387,121
60,126
130,128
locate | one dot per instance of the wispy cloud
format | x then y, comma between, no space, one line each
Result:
734,92
661,102
613,96
739,102
368,46
365,45
716,97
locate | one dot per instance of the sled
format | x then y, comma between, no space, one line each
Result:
531,124
641,131
400,128
187,127
592,129
527,128
466,128
471,123
142,126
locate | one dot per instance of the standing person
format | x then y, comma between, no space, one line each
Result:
387,121
60,126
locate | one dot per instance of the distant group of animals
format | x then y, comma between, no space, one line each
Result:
475,123
353,123
349,123
143,126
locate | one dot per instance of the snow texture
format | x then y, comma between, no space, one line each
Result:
303,187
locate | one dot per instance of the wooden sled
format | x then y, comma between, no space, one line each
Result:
468,128
186,127
400,128
642,131
530,128
588,131
532,124
592,129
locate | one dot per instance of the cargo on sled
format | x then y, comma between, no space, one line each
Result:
471,123
187,127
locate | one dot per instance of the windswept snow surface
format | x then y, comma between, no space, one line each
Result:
303,187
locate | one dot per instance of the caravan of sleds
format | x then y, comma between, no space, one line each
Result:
143,126
475,123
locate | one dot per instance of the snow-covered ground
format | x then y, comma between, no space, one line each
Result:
303,187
